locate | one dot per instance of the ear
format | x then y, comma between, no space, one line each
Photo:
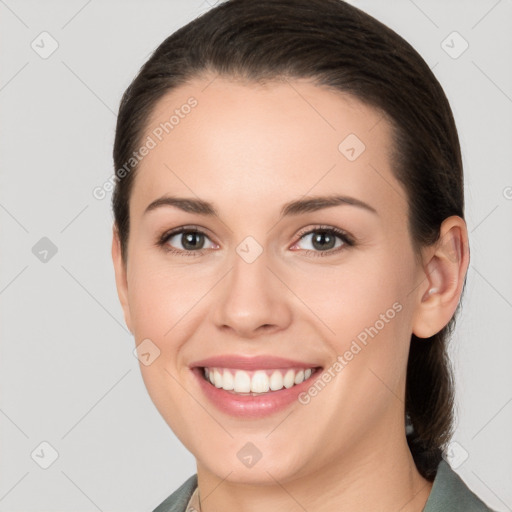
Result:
445,266
120,273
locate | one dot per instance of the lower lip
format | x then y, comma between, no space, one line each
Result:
251,406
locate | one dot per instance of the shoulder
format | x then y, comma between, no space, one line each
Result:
178,500
450,493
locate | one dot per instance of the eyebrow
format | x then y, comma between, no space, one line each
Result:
297,207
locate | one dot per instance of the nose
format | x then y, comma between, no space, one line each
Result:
252,299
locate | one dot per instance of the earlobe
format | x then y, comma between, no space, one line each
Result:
444,273
120,276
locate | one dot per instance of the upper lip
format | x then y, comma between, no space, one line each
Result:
243,362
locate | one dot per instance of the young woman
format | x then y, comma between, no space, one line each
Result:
290,250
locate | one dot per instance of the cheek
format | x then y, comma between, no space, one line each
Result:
365,311
162,308
376,324
159,297
348,298
167,304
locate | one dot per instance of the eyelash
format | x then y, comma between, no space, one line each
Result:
347,240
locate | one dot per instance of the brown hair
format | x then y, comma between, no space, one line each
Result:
341,47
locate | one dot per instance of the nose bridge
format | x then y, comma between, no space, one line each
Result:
251,295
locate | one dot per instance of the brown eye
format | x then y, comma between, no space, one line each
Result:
190,240
186,241
328,240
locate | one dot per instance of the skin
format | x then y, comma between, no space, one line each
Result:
267,145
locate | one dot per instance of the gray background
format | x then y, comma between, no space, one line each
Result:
68,375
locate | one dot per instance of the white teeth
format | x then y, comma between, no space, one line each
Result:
299,377
228,382
259,381
289,379
217,378
276,381
242,382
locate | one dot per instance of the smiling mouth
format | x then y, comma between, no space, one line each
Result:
258,382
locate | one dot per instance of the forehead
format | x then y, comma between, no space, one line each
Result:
262,144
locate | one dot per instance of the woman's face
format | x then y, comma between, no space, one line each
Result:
263,295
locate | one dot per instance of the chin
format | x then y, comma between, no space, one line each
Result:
255,463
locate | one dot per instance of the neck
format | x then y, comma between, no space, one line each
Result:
386,479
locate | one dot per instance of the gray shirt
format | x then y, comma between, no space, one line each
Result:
449,494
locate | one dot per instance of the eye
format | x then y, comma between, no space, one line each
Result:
320,241
325,240
191,239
